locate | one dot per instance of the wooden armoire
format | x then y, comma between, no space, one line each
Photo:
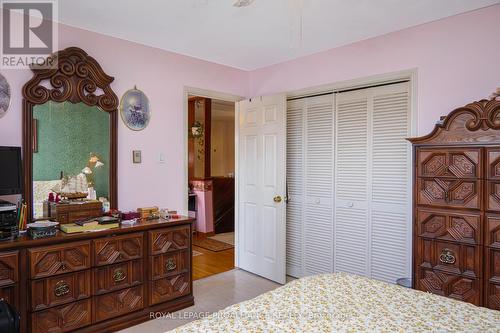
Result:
456,244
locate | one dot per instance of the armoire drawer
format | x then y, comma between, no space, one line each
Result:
492,196
493,296
166,240
117,249
493,163
59,289
169,288
454,286
168,264
449,193
58,259
449,257
449,225
118,303
117,276
9,268
492,234
449,162
63,318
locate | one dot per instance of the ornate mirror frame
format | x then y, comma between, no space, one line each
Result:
77,78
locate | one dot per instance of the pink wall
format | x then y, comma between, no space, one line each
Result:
457,61
162,76
456,58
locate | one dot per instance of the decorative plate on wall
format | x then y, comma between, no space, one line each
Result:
4,96
134,109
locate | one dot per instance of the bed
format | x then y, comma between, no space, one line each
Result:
347,303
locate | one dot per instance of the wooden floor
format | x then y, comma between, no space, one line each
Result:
210,262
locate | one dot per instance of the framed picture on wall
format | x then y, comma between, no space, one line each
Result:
136,156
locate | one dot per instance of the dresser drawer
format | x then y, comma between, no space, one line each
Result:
454,286
171,239
169,288
493,296
58,259
168,264
449,162
11,295
449,225
493,196
118,303
58,290
117,249
454,193
62,318
9,268
453,258
117,276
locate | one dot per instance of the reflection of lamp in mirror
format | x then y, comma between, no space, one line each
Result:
93,163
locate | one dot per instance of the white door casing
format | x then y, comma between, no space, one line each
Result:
261,226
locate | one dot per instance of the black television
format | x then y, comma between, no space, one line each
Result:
10,170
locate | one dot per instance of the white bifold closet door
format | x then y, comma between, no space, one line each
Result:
310,186
372,234
348,177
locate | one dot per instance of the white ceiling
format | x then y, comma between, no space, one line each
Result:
264,33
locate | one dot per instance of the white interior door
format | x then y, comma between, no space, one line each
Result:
261,228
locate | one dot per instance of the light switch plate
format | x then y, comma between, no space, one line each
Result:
161,158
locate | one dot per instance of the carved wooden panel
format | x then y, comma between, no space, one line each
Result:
9,268
169,264
444,192
449,225
118,303
457,287
493,163
11,295
493,278
58,259
493,196
117,276
169,288
63,318
455,163
58,290
453,258
492,231
165,240
117,249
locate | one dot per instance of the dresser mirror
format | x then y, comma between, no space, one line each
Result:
69,134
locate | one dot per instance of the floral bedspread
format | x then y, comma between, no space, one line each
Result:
347,303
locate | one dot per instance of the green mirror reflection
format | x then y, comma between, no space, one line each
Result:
71,153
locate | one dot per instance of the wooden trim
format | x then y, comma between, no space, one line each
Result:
208,137
77,78
191,140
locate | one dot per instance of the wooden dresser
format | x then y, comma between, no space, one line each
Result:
457,206
100,281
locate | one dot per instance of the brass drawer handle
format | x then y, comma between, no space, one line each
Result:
447,256
171,265
63,266
119,275
61,289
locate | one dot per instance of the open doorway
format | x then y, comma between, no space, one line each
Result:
211,169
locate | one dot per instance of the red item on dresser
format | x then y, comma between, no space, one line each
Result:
130,215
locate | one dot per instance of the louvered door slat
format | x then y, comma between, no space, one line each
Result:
318,220
295,186
390,222
351,219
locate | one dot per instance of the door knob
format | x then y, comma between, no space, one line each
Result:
277,199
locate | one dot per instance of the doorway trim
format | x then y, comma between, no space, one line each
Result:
223,97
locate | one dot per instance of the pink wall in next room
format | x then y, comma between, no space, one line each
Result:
457,61
162,76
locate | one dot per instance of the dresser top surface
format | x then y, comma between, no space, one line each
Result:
61,237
